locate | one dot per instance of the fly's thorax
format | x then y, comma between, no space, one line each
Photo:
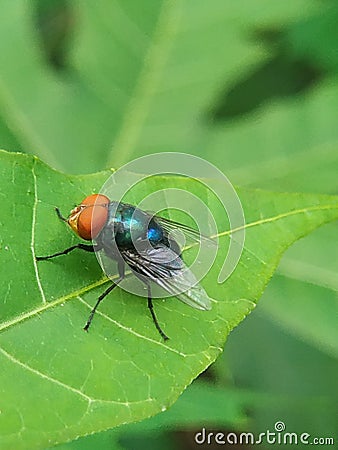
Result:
127,225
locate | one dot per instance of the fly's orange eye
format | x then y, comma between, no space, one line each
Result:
88,219
95,199
91,221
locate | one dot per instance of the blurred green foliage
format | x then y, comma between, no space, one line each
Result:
252,87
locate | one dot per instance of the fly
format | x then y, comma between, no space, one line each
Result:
140,240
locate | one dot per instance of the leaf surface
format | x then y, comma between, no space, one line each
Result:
59,382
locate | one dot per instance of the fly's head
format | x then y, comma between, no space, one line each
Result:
89,218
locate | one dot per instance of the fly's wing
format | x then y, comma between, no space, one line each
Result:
108,264
167,270
171,226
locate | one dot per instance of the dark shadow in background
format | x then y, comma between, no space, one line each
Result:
54,24
284,75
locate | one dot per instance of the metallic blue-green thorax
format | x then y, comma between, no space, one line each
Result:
127,224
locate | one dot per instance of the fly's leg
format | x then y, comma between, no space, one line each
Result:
99,300
87,248
153,315
104,294
60,216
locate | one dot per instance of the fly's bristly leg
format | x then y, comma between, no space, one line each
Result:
87,248
60,216
153,315
121,269
99,300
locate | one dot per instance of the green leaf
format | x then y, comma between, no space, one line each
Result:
46,110
308,318
146,80
200,405
308,269
139,75
76,383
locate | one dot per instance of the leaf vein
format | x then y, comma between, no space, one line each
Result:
130,330
43,375
33,236
275,218
89,400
